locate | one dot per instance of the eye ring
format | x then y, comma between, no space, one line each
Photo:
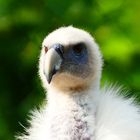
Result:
78,49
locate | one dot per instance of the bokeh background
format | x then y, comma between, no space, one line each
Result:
24,24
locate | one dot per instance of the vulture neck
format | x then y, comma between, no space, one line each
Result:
62,100
72,113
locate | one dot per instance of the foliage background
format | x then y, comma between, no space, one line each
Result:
24,24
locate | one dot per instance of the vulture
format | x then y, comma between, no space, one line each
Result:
77,108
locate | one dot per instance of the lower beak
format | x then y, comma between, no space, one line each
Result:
53,61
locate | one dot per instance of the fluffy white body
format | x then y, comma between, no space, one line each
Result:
106,116
88,114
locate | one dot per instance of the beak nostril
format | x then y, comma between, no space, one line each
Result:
59,49
46,49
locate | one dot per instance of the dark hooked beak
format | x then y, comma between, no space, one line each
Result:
53,61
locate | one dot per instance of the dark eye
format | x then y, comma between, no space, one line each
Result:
45,49
78,49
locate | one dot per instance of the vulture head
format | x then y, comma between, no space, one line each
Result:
70,60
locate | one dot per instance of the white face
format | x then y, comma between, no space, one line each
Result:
70,60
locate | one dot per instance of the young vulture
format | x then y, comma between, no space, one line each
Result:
77,109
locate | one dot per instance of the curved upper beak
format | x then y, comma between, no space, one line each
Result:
53,61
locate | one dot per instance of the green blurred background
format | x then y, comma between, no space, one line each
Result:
24,24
